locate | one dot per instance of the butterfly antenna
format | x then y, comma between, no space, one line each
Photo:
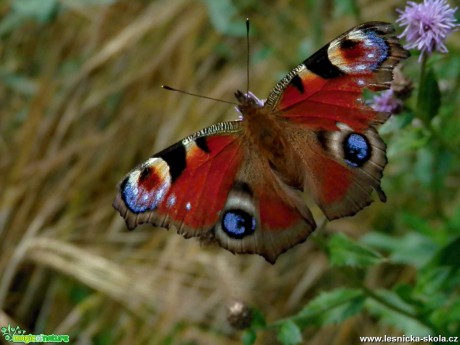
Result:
169,88
247,57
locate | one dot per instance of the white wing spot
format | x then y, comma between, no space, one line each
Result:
171,200
368,42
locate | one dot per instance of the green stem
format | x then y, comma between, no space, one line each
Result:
421,113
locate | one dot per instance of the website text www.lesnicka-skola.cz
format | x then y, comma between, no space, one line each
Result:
410,339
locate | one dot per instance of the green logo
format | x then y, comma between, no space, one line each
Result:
18,335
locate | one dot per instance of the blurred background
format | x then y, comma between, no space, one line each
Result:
81,105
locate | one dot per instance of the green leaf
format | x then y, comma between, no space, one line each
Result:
454,221
450,255
417,223
87,3
412,140
412,248
41,10
394,317
434,283
258,319
448,315
331,307
249,337
19,83
436,290
346,7
345,252
429,98
221,14
289,333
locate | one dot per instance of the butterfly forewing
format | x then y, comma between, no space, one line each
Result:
326,88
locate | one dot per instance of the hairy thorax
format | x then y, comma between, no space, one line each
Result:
266,136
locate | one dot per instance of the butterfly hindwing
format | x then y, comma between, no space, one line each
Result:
274,215
342,167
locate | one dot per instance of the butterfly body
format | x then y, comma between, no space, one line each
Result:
264,133
243,183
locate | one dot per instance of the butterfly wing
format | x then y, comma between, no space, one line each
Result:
213,186
330,126
327,87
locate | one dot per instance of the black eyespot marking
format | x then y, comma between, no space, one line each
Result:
123,188
202,144
378,32
322,139
144,173
348,44
243,187
238,224
296,81
175,157
320,64
357,150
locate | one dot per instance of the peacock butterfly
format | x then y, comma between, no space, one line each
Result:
242,183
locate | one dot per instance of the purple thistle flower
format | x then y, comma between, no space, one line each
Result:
427,25
387,102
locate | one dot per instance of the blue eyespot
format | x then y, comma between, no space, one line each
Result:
238,223
380,47
357,150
